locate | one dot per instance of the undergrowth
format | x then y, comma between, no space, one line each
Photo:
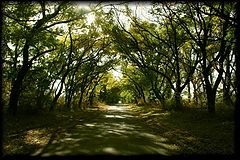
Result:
26,133
195,130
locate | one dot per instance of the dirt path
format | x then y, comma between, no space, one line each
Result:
117,132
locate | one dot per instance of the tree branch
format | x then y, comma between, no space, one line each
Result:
39,54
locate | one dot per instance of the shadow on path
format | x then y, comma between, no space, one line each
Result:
116,132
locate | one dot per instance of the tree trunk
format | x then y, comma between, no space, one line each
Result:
69,96
68,102
69,99
16,90
226,83
178,91
209,90
57,96
160,98
17,84
226,95
195,97
80,100
178,99
211,95
91,100
189,93
92,94
143,95
211,98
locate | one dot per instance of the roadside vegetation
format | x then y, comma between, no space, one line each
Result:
194,130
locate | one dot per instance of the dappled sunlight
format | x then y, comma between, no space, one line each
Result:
169,146
161,151
165,113
153,113
148,135
115,134
11,147
110,150
36,136
89,125
117,116
148,113
62,153
116,108
113,116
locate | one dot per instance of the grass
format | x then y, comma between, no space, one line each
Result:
196,131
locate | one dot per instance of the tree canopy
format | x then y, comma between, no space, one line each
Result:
60,55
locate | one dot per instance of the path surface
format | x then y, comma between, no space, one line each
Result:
117,132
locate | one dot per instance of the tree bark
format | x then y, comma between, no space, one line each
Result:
58,94
91,97
80,100
178,99
143,95
189,93
17,84
16,89
56,98
160,98
226,83
211,99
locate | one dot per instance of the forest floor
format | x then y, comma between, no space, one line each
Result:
119,130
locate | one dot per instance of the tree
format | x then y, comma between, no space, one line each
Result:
21,14
149,49
201,35
55,57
